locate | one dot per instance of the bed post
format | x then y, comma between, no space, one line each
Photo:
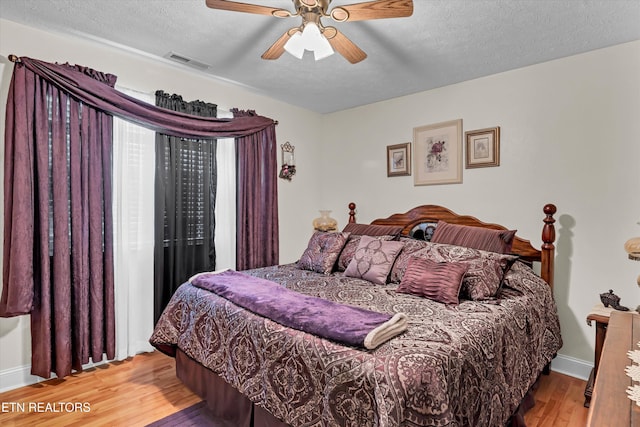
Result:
352,213
548,249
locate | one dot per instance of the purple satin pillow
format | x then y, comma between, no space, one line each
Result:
322,251
438,281
485,239
373,259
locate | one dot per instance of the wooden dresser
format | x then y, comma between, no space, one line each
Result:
610,405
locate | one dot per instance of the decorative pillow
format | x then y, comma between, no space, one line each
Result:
439,281
523,279
402,261
322,251
372,229
474,237
485,269
373,259
350,249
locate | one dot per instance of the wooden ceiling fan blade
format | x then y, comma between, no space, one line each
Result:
248,8
380,9
344,46
276,50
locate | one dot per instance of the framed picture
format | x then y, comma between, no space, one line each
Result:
483,148
399,159
437,153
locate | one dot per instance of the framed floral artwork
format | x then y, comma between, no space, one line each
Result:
399,159
483,148
437,153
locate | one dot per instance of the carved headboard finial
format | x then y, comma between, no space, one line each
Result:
352,213
548,249
548,230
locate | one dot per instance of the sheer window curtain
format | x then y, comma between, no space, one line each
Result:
133,182
133,199
225,240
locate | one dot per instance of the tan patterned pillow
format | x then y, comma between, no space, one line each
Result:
322,251
373,259
350,249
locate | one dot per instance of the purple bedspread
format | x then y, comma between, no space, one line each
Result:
327,319
464,365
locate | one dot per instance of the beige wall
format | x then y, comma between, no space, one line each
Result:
570,135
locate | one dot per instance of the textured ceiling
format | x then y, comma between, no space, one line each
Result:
444,42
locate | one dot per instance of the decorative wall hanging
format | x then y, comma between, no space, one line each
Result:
483,147
437,153
288,161
399,159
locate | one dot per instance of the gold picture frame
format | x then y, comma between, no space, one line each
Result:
399,159
483,148
437,153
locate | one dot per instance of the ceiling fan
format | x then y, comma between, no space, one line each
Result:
312,33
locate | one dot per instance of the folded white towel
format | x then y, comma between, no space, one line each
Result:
389,329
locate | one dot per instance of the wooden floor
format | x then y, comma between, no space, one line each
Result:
144,389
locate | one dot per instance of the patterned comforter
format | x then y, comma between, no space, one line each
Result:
464,365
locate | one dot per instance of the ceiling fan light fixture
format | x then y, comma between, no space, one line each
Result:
310,39
312,35
295,45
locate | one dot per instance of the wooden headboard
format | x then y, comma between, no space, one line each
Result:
522,247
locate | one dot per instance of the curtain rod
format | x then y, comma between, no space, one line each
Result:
16,59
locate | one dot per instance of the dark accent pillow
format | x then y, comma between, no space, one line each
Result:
322,251
372,229
373,259
438,281
485,239
402,261
485,273
350,249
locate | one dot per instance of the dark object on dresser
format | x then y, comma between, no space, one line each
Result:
613,300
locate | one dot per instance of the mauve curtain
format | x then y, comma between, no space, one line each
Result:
58,259
185,188
257,242
105,98
82,251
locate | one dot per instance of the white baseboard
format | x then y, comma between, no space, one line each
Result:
20,376
571,366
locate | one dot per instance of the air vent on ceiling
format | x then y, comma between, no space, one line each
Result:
182,59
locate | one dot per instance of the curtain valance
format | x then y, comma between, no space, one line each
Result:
102,96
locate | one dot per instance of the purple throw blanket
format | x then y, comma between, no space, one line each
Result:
338,322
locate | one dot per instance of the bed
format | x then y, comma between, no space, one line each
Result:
469,356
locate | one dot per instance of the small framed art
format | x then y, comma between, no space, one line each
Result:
483,147
437,153
399,159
